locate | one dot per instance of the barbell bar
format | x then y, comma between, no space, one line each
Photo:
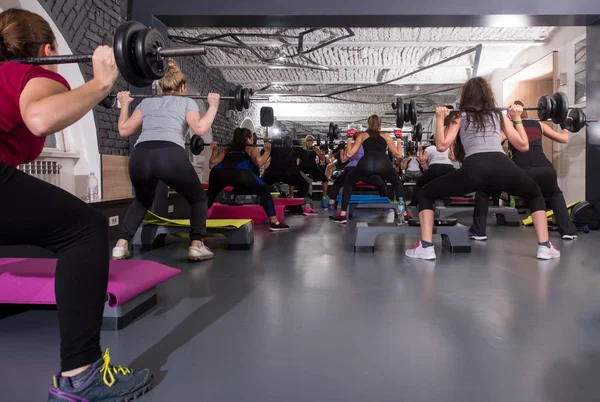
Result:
140,54
197,144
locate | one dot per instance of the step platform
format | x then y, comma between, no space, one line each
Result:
365,199
505,216
454,238
131,286
381,206
290,204
238,232
254,212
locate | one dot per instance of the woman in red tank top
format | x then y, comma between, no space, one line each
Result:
36,102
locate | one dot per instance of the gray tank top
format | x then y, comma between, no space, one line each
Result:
164,119
475,141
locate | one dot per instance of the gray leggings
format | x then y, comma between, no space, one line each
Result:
168,162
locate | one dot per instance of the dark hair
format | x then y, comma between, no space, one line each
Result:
478,102
374,125
524,115
23,34
240,135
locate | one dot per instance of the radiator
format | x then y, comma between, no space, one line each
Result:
48,171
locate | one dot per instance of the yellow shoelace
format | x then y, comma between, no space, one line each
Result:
110,370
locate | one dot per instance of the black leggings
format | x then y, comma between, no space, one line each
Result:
434,171
375,181
39,214
545,178
241,179
488,172
372,165
291,177
316,173
168,162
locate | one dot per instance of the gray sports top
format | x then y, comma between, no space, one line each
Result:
164,119
475,141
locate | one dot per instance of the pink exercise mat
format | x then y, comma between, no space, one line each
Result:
254,212
31,281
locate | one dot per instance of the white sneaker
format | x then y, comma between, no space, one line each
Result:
200,253
421,253
120,253
569,237
547,253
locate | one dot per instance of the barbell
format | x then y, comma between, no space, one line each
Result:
241,98
555,108
197,144
140,54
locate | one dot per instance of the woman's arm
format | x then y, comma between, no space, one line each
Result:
392,146
258,159
404,163
128,125
356,146
47,106
217,156
515,133
200,125
445,138
344,155
451,153
562,138
424,158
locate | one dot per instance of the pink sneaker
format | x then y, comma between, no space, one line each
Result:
421,253
310,211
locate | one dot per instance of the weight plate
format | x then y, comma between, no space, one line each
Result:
406,113
561,110
145,51
109,102
399,112
336,131
579,120
196,144
237,102
418,134
393,105
412,111
544,108
246,98
123,49
331,133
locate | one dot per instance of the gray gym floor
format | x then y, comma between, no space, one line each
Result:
301,317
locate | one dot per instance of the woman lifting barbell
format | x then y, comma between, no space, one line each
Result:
485,168
375,162
540,169
36,102
160,154
235,167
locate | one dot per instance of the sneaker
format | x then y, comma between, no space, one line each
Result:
103,382
310,211
278,227
340,219
200,253
475,236
569,237
547,253
325,202
330,208
120,253
421,253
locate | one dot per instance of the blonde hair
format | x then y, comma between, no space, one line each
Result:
173,79
374,125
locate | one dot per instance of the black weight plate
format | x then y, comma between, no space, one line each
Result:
145,51
418,134
109,102
331,132
544,108
579,120
412,111
399,112
393,105
561,110
237,100
246,98
123,48
196,144
336,131
406,115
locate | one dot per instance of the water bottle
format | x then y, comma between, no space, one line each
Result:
401,211
92,188
512,202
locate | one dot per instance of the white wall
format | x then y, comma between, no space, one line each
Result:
81,137
570,157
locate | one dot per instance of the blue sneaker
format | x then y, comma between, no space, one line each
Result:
325,202
102,382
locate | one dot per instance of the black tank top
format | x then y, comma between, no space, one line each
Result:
374,145
535,156
237,160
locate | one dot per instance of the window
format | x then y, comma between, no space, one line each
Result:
55,142
580,73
